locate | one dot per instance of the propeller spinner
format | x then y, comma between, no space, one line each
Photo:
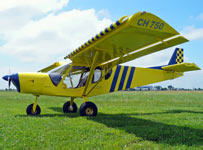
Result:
14,78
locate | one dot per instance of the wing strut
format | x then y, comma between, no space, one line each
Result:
93,66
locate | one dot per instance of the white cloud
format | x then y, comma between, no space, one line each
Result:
104,13
34,33
15,18
193,33
15,14
42,5
43,39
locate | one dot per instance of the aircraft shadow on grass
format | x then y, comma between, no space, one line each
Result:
150,130
175,111
146,129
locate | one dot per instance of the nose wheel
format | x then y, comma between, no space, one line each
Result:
30,111
33,109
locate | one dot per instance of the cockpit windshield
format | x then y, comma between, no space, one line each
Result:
56,73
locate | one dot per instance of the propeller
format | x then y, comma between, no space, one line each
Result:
9,82
9,79
14,78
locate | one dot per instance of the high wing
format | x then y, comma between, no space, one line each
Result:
128,38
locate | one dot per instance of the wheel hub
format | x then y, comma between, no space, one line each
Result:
34,113
70,108
89,111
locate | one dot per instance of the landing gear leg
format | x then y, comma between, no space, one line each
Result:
33,109
88,108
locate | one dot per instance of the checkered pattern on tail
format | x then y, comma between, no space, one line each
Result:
177,57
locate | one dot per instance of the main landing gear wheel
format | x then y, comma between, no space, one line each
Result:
67,108
88,109
30,112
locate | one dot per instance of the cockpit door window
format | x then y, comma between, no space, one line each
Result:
97,75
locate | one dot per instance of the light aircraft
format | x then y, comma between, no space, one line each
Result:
96,69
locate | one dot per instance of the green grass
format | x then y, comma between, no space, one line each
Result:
126,120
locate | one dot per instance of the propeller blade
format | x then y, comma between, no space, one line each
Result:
9,82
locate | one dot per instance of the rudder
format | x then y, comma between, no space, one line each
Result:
177,57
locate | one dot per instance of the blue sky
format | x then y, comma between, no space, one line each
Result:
35,34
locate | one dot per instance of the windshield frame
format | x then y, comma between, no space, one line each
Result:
57,73
60,69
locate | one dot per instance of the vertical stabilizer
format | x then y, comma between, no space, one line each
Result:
177,57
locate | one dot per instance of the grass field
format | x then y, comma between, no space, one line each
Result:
126,120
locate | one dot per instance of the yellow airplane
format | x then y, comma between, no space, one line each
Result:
95,65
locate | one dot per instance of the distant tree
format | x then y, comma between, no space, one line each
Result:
170,87
199,89
164,89
159,88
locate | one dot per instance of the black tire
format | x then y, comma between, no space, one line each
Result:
66,107
88,109
30,112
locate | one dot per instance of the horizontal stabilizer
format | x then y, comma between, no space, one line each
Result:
183,67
